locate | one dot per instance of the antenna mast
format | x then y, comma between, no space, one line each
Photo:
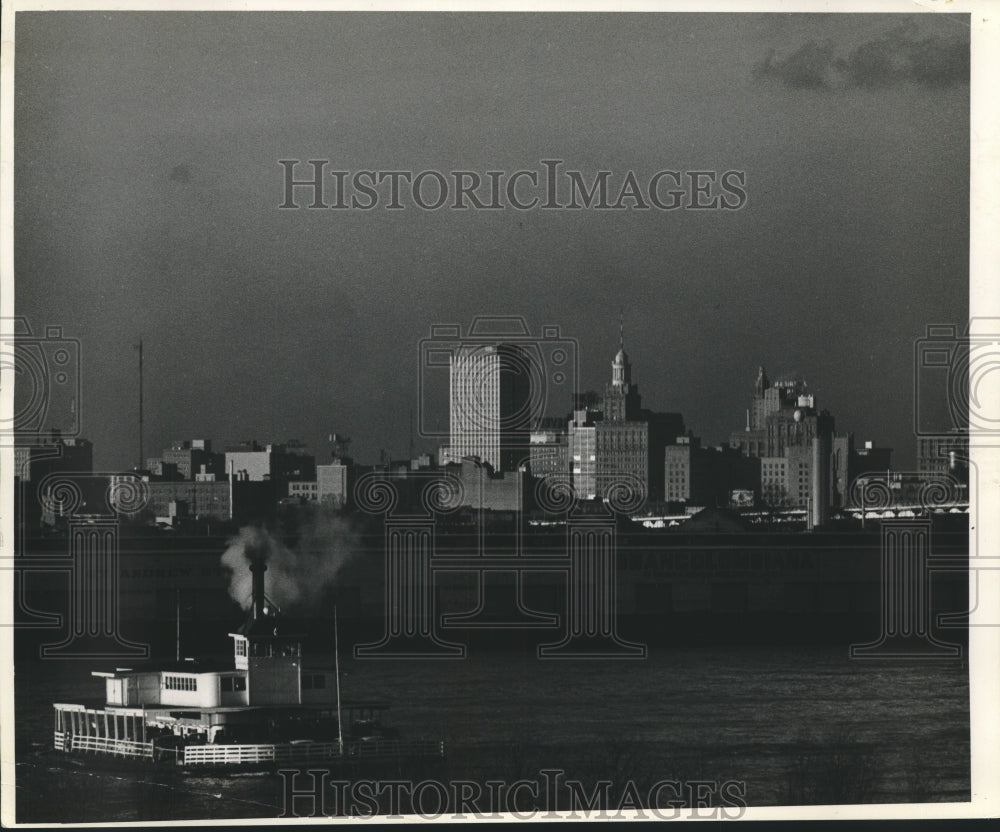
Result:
336,666
142,458
178,625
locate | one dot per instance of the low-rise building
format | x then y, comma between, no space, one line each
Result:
483,488
279,464
206,500
947,454
707,476
549,450
332,483
307,490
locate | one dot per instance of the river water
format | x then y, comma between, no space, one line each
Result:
792,725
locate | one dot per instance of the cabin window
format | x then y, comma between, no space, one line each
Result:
313,681
241,647
233,683
180,682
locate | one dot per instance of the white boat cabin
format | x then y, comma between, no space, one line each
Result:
267,670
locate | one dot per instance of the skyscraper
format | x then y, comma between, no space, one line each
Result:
490,405
582,453
621,397
802,461
783,414
629,441
621,439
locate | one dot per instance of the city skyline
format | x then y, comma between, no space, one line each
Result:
148,183
477,431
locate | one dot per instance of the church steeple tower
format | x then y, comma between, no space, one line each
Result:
762,382
621,368
621,396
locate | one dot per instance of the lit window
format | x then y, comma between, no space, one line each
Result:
180,682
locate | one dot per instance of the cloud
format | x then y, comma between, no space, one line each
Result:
809,67
898,56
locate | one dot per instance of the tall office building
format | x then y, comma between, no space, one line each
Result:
621,437
802,461
782,414
621,443
582,453
622,451
490,405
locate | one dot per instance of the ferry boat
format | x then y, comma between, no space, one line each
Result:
267,707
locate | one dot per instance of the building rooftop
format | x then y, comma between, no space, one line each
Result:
217,666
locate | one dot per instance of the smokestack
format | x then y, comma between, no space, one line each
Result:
257,569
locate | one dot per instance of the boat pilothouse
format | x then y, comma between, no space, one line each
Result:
267,661
266,706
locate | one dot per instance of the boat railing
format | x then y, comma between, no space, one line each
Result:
104,745
195,755
249,754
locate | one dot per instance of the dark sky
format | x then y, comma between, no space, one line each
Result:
147,184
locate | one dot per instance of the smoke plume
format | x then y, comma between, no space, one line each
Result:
295,577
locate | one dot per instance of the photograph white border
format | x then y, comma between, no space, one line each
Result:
984,288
